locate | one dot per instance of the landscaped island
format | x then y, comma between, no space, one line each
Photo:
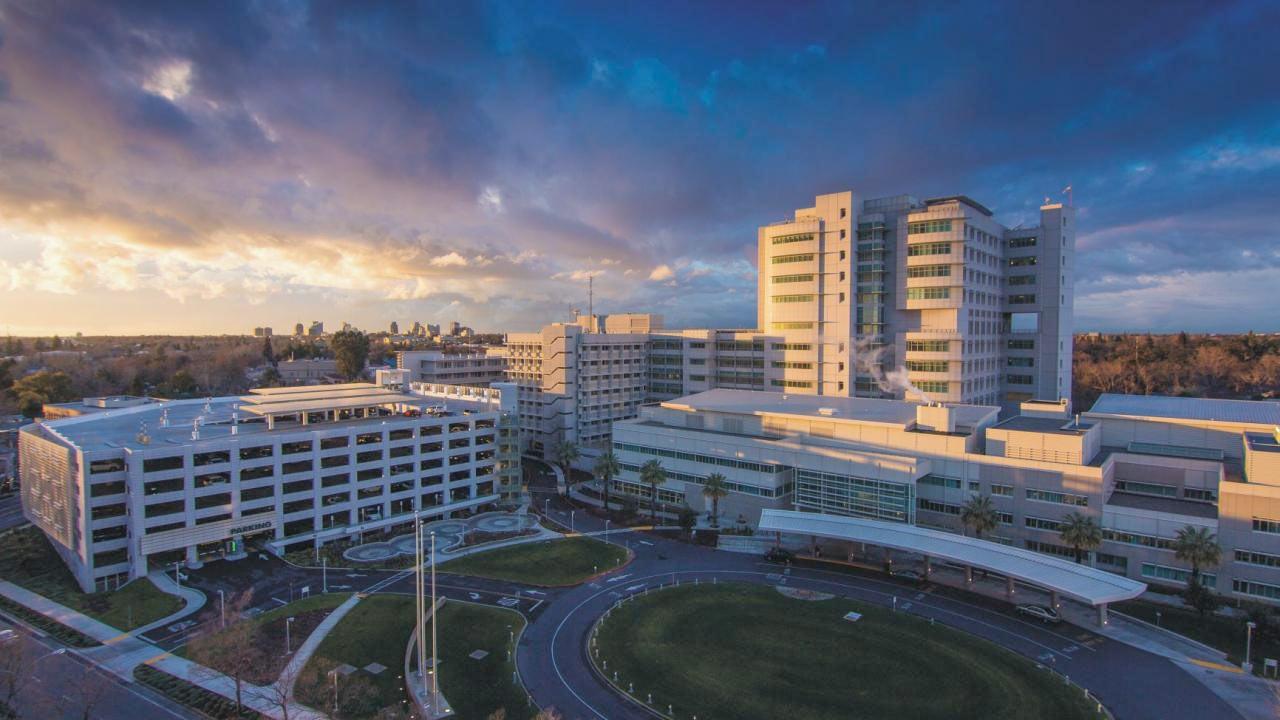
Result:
750,653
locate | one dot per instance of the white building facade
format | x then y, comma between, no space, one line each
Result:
122,492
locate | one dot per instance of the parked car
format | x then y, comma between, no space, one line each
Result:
180,626
777,554
1041,613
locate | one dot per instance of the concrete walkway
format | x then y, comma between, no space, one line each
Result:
193,601
289,676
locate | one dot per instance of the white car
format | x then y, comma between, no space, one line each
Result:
1041,613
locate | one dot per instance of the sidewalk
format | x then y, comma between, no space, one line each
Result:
194,600
289,676
121,652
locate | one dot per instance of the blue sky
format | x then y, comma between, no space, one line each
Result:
208,167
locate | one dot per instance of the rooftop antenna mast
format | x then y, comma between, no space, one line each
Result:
1067,191
591,300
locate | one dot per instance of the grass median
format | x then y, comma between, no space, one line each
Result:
748,652
551,563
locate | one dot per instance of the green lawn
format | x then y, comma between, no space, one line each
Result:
477,688
1224,633
376,630
550,563
747,652
30,561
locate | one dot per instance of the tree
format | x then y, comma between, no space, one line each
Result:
565,453
38,388
1082,533
1200,598
979,515
653,475
714,488
688,518
234,651
607,466
268,353
270,378
1198,547
181,385
351,350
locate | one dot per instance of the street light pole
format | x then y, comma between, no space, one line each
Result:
222,607
288,646
606,531
324,573
571,513
1247,665
435,624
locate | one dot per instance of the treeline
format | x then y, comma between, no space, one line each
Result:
1219,366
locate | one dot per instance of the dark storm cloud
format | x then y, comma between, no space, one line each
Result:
541,139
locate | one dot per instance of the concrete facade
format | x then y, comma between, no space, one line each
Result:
475,369
1142,477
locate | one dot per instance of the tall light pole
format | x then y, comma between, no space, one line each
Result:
435,624
222,600
1247,665
571,512
288,646
418,598
606,531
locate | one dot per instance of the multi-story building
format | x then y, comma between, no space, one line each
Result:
1142,467
477,369
307,371
895,296
123,491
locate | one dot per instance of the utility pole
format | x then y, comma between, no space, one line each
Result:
591,300
435,624
417,595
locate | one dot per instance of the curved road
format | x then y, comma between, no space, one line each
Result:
1134,684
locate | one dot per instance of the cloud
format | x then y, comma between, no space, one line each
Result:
662,272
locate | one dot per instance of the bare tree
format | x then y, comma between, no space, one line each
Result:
234,651
86,696
17,660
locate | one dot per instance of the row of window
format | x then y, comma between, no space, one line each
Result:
1164,572
928,293
793,365
804,384
729,484
928,346
784,239
928,365
792,298
1022,242
699,458
798,257
922,271
792,346
928,226
804,277
1058,497
793,326
938,248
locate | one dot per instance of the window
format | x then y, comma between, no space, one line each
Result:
212,479
111,533
1022,242
1131,538
1022,344
798,257
1002,490
369,456
334,442
1266,526
335,461
294,448
208,501
1252,557
938,507
162,486
116,488
1144,488
928,365
1057,497
928,293
1199,494
368,438
1257,589
257,473
166,508
921,271
1024,299
1022,279
792,298
110,511
1021,362
296,467
784,239
928,226
940,387
791,383
1028,261
1042,524
257,493
941,248
401,434
793,326
792,346
173,462
928,346
1021,379
793,365
1024,322
939,481
1178,575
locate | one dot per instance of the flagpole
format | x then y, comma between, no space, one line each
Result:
418,599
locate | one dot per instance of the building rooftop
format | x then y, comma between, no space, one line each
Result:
1255,412
1173,506
823,407
1057,426
1263,442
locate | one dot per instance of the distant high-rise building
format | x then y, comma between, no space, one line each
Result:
257,332
299,330
433,330
346,326
416,331
455,327
317,329
395,328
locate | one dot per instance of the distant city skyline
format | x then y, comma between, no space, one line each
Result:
204,169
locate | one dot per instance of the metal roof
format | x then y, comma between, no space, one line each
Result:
828,408
327,389
321,403
1071,579
1254,412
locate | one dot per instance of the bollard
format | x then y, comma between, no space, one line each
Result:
605,663
669,710
615,676
650,698
631,687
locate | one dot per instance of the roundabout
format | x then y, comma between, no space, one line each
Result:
750,652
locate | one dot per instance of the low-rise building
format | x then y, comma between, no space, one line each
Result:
307,371
124,491
1143,468
476,369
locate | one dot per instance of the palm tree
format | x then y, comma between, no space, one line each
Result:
606,467
714,488
653,475
1199,547
1081,532
979,514
565,453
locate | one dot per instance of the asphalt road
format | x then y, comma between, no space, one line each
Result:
11,511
